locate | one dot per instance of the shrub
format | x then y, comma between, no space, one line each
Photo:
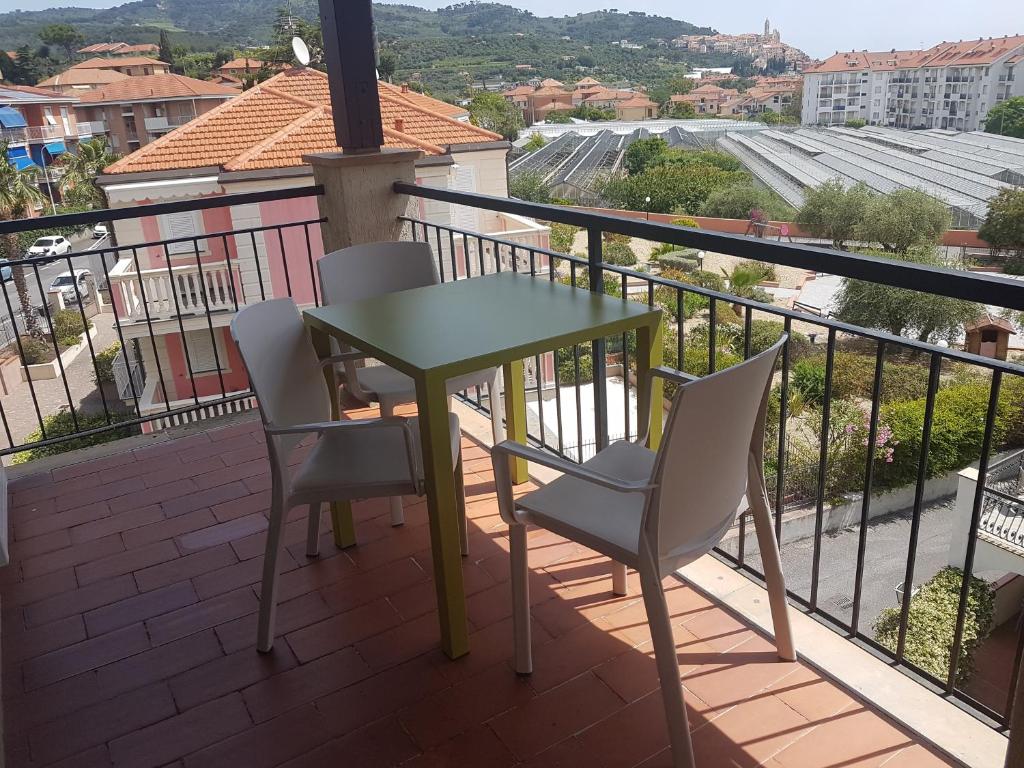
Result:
567,366
618,254
764,333
61,423
853,375
808,378
562,236
68,326
686,221
104,373
680,260
932,623
35,351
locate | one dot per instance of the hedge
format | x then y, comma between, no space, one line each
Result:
68,326
61,423
932,623
618,254
104,373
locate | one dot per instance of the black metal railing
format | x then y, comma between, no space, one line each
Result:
155,300
707,329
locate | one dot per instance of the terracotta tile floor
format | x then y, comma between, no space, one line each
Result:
129,622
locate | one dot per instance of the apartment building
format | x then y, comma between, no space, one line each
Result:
39,126
950,85
133,66
138,110
255,142
76,81
707,99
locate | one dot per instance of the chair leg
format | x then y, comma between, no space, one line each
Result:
619,586
387,408
495,403
313,531
520,599
268,590
460,502
771,562
668,668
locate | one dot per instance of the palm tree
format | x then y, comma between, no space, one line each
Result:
19,192
81,169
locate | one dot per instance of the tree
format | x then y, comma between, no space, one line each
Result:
19,191
529,186
855,122
1007,118
670,187
493,112
902,312
833,212
644,153
795,106
26,67
681,110
739,200
63,36
387,63
535,142
558,117
1003,228
904,219
166,53
81,169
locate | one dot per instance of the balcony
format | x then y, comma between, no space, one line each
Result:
164,124
88,128
165,293
135,563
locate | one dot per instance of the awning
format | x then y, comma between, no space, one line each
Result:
11,118
21,163
55,148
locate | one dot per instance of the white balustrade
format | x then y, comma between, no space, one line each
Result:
161,293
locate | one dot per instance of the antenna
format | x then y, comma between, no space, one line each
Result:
301,51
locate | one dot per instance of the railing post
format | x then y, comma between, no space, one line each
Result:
596,278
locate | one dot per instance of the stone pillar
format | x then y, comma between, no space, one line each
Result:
358,201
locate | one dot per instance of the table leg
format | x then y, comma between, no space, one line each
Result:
515,415
650,399
341,511
445,541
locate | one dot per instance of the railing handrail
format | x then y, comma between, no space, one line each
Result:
783,312
129,271
985,288
156,209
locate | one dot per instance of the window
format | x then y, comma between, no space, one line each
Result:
201,352
177,225
464,217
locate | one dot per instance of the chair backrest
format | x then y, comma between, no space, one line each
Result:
282,365
701,472
373,269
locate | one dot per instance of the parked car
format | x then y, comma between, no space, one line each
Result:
100,230
6,273
51,245
68,283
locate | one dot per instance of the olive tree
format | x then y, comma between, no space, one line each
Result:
904,220
834,212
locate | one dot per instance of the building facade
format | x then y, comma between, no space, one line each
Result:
138,110
249,144
950,85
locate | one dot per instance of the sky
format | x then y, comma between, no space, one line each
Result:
818,27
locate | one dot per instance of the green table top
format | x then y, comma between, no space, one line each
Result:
468,325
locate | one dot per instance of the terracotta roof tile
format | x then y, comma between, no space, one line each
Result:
84,77
124,61
246,63
275,123
155,87
434,105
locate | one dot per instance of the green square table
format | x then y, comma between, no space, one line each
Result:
437,332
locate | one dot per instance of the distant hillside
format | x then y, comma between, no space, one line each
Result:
203,23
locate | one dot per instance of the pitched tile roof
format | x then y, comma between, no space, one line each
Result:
244,63
119,48
80,77
639,100
124,61
28,94
426,102
275,123
149,87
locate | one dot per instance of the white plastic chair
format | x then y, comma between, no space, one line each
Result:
357,459
658,511
369,270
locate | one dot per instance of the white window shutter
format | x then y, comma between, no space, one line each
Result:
200,351
184,224
465,217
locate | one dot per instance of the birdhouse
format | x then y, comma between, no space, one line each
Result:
989,336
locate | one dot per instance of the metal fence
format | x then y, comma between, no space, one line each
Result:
462,253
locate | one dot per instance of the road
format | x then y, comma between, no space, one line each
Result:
80,243
885,561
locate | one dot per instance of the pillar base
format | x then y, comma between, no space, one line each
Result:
359,202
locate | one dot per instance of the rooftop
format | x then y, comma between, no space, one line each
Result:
84,77
962,53
27,94
275,123
123,61
150,87
120,48
128,639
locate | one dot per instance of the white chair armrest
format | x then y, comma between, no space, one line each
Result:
511,448
343,357
669,374
399,422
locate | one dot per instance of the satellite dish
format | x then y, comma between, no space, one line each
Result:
300,50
